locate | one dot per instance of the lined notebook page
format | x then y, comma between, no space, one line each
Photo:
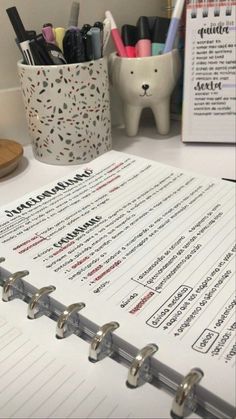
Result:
43,377
147,245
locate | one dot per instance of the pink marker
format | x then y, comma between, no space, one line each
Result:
48,33
116,36
143,46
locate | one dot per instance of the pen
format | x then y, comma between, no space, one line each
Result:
174,23
116,36
21,34
74,14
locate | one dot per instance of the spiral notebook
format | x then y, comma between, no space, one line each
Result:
209,106
130,263
43,377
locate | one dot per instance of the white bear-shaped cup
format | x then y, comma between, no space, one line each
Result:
145,83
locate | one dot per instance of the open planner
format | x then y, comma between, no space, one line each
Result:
42,376
209,106
125,270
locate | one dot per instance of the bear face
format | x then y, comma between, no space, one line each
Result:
144,81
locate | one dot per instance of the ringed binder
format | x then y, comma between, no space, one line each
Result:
162,249
140,368
203,8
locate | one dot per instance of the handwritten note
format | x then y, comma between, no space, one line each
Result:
210,66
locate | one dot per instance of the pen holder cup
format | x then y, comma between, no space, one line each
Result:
67,110
145,82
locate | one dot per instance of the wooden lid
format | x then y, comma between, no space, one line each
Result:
10,154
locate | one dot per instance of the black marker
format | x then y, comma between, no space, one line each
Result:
99,25
88,45
40,52
21,34
73,46
85,28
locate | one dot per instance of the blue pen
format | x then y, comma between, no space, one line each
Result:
174,24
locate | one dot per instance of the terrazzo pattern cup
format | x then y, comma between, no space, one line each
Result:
68,111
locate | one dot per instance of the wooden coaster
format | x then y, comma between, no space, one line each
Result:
10,155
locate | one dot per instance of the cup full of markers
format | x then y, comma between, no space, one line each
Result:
145,67
65,88
65,85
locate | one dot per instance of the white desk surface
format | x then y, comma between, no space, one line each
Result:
216,160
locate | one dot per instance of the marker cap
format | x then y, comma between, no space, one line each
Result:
87,38
48,33
85,28
143,30
129,35
96,42
98,25
110,17
59,35
73,46
45,25
160,30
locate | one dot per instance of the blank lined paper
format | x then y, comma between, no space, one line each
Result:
43,377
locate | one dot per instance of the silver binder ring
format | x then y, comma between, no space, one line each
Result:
101,344
13,286
64,328
140,367
185,394
38,303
